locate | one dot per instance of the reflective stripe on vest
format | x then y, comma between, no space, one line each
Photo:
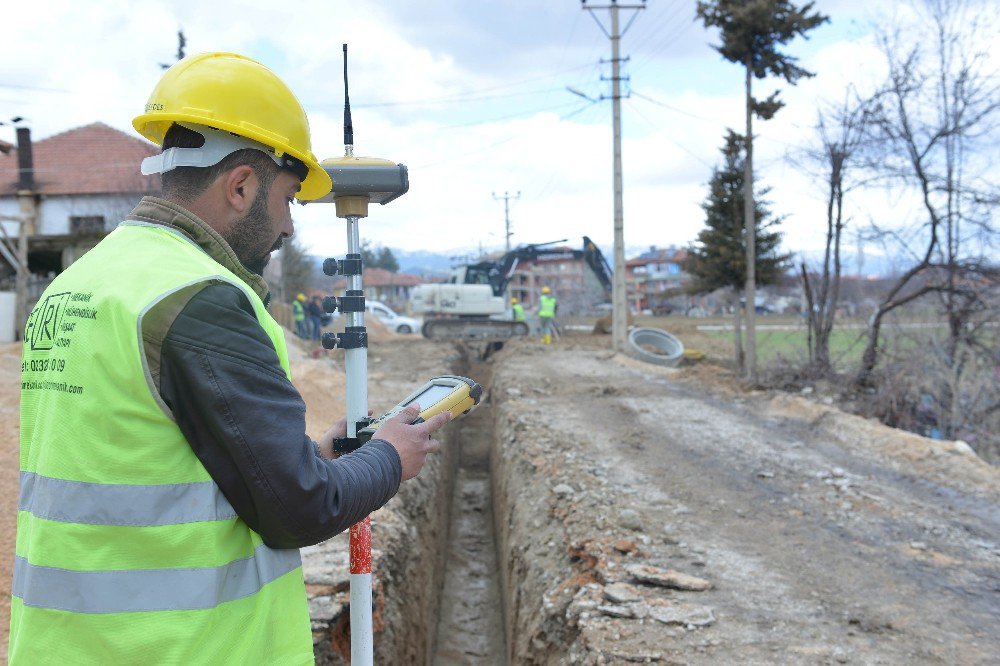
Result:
119,504
140,590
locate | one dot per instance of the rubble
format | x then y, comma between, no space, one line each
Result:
668,578
685,616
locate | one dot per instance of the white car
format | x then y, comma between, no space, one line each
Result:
395,322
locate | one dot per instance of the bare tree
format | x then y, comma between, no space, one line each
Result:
934,120
298,270
841,132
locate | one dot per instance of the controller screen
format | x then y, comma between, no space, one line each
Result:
432,395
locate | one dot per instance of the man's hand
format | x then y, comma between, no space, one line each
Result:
412,442
338,429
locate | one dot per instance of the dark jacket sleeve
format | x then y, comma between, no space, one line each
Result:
220,376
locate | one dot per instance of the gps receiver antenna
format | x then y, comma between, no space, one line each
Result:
348,125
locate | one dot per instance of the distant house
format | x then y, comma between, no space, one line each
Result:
565,271
653,277
82,182
393,289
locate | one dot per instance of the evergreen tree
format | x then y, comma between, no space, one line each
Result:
377,256
387,260
752,31
718,259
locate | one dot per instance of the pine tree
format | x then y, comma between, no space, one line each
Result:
377,256
718,259
752,31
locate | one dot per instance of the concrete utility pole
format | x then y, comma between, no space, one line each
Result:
619,298
506,214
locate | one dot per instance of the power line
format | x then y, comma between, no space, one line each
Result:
693,154
673,108
519,114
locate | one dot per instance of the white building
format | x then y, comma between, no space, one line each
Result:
82,182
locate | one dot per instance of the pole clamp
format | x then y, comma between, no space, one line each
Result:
354,337
353,300
349,266
342,445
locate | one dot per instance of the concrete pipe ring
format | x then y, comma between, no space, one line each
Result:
653,345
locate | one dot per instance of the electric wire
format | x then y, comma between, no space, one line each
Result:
656,26
483,149
632,105
678,29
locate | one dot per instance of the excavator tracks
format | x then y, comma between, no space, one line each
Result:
484,330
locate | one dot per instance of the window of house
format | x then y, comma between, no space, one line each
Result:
86,224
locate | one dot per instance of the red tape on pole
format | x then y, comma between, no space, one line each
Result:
361,547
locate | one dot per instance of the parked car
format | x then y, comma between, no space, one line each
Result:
395,322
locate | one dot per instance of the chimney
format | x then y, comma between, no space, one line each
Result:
25,164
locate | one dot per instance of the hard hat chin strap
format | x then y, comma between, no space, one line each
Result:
218,144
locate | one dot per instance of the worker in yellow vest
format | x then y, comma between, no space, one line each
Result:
299,315
167,481
546,314
518,309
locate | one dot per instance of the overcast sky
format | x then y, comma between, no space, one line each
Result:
472,97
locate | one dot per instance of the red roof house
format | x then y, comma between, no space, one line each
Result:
82,182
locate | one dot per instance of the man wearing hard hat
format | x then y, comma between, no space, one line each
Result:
167,481
299,315
546,313
517,309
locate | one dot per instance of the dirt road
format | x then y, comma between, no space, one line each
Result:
822,537
826,538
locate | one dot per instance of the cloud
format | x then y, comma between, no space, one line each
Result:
471,96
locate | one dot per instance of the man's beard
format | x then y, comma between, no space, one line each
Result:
250,235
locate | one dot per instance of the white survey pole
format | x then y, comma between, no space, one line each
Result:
357,182
356,368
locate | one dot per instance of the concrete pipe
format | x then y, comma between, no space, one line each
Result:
653,345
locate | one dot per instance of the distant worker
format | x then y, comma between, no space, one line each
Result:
518,309
546,314
315,310
167,481
299,315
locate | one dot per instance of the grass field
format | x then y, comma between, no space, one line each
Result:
779,338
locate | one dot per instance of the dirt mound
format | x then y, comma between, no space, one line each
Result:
10,400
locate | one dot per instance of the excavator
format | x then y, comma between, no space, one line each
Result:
472,305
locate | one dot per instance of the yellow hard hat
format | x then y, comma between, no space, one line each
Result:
300,297
546,290
513,301
235,94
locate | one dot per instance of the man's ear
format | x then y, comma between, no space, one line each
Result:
240,185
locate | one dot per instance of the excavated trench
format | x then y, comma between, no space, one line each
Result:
470,628
449,577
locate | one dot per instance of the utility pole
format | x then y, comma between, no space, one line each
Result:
619,297
506,214
181,43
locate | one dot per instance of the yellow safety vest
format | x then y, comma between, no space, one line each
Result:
127,550
547,306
